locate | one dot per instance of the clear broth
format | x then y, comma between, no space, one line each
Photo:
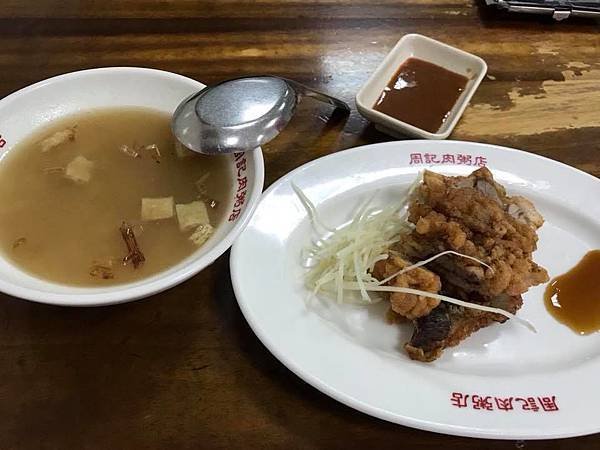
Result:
56,229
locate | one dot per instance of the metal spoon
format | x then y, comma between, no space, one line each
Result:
241,114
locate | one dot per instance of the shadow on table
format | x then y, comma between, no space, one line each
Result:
100,377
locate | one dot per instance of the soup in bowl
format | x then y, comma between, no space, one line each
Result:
99,204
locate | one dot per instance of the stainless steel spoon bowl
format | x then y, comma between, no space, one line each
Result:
241,114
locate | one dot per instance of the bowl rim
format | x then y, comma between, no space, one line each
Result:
399,126
121,293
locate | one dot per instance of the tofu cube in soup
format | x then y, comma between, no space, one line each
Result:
157,208
202,233
79,170
190,215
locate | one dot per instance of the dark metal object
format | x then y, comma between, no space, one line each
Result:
559,9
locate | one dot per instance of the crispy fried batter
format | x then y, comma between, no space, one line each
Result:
524,211
409,305
472,215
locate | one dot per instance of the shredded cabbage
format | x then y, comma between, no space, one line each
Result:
310,208
350,252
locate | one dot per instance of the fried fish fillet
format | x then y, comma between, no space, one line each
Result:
474,216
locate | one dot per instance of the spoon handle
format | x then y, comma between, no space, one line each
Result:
310,92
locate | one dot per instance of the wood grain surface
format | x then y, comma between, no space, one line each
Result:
183,369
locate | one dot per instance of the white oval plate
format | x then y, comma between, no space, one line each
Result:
504,381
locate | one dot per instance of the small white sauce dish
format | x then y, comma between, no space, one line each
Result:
24,111
432,51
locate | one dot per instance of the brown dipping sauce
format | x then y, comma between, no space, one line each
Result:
574,297
421,94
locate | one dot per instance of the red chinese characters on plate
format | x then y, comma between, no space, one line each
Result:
239,160
481,402
2,141
447,158
510,403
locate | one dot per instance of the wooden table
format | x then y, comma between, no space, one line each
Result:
183,369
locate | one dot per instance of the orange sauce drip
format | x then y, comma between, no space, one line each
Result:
574,297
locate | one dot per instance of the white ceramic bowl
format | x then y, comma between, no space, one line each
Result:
430,50
37,105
